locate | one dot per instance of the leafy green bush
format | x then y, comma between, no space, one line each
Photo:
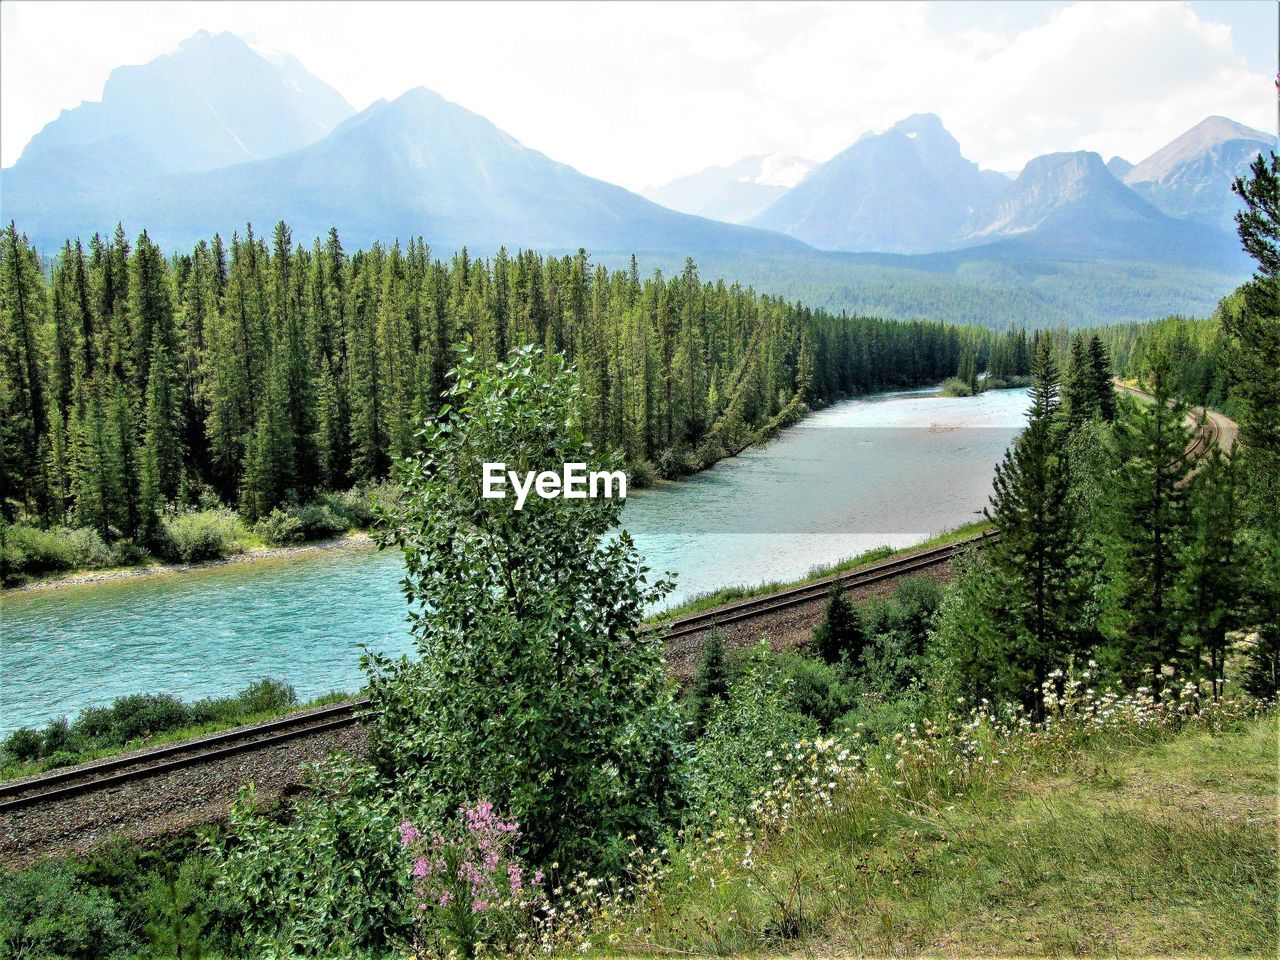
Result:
736,755
356,506
818,690
538,609
955,387
676,462
48,911
330,516
330,880
280,528
262,696
641,473
27,552
126,899
24,745
127,553
139,716
320,523
142,715
88,550
197,535
57,737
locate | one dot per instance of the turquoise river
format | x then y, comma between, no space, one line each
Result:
890,469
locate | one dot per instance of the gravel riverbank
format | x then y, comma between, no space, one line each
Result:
351,541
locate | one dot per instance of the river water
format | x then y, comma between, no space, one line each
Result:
890,469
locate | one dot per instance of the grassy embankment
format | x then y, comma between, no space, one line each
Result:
144,720
1130,843
716,598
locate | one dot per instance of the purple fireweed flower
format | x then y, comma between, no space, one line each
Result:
408,833
420,868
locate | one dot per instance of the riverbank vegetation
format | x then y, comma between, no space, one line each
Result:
142,720
138,385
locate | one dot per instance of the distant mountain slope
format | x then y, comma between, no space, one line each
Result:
418,165
1070,205
1191,177
1119,167
213,101
735,193
907,190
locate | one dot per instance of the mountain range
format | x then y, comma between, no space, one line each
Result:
733,193
212,102
1185,177
220,133
907,190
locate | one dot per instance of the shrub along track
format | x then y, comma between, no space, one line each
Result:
171,788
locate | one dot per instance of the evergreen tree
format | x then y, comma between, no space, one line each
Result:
160,469
712,682
1212,565
1026,609
1147,528
1253,330
1079,393
1104,394
840,634
24,411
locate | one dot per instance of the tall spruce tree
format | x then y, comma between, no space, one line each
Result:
1254,333
1147,527
1079,392
24,411
1033,622
1213,584
1104,393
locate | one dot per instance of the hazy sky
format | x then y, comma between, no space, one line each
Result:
639,93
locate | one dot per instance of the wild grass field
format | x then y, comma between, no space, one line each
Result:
1131,843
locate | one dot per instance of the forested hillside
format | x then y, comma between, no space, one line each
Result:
256,373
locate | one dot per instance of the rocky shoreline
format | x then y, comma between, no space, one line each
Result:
349,541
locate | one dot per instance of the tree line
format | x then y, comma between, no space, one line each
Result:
1118,545
255,373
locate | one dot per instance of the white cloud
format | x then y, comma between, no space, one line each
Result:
639,93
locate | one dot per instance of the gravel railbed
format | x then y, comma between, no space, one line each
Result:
164,804
784,629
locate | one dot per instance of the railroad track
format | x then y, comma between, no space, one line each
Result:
288,736
113,772
755,607
158,761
